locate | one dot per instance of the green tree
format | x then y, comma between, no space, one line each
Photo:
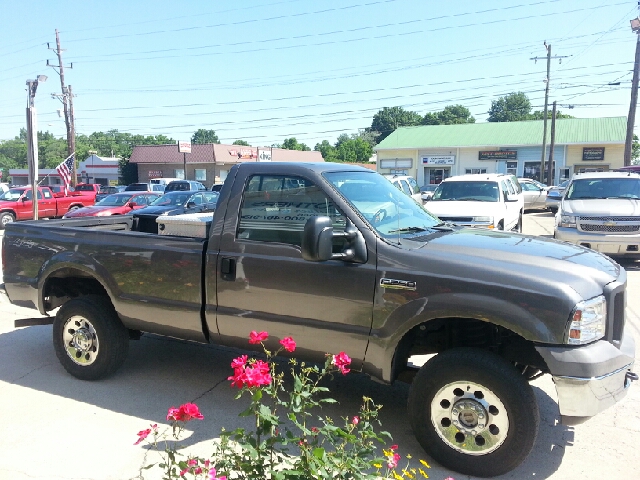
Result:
292,144
204,136
389,119
241,142
510,108
539,115
327,151
635,150
450,115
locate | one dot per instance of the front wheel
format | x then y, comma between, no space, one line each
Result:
89,339
473,412
518,227
5,218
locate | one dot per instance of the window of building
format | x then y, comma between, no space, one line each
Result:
475,170
201,174
397,163
275,208
512,168
178,173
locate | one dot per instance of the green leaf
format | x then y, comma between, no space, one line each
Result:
257,396
318,453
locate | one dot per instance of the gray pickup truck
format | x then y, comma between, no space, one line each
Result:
337,257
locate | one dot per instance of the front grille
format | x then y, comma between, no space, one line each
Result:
611,219
590,227
457,219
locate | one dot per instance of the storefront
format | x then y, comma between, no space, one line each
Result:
436,168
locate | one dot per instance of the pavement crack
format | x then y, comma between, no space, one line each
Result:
206,392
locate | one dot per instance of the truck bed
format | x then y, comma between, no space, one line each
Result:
155,282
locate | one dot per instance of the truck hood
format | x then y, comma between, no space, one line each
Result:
466,209
533,259
95,210
617,207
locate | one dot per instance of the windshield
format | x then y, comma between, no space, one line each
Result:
594,188
467,191
389,211
114,201
11,195
178,198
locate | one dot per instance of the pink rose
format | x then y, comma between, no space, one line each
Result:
239,362
255,337
191,411
393,447
173,414
355,420
142,435
288,343
212,475
342,361
392,462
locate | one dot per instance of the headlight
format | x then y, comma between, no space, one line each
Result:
568,221
483,219
588,321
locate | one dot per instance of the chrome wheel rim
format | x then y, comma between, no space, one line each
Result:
80,340
469,418
6,219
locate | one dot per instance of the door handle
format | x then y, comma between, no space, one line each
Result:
228,269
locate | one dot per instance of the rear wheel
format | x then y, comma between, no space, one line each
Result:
89,339
5,218
473,412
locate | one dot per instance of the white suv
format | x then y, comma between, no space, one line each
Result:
480,200
408,185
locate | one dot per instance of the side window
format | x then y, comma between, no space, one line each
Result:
405,187
511,188
275,208
504,189
47,194
414,185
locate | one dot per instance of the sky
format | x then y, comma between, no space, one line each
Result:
266,70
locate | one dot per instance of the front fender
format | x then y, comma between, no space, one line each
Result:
390,328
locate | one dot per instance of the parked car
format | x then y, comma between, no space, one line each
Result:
184,185
479,200
426,191
4,187
58,190
88,190
174,203
115,204
535,194
17,204
161,181
601,211
106,190
554,196
216,187
408,185
138,187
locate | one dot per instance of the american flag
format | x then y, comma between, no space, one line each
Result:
65,169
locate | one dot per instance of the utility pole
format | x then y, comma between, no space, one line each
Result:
66,102
546,105
552,144
631,119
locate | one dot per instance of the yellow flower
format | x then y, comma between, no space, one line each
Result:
424,463
423,473
377,465
407,473
396,476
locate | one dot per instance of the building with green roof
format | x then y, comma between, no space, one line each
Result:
430,153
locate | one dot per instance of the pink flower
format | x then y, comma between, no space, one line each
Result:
142,435
212,475
239,362
255,337
342,361
186,412
393,447
392,462
288,343
253,375
355,420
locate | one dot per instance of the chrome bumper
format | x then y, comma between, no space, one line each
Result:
591,378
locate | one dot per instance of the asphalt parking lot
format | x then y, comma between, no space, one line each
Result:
57,427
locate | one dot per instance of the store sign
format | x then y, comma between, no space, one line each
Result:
439,160
593,153
498,155
264,155
155,173
184,147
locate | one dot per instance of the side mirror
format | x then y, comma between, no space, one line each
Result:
317,239
191,204
131,204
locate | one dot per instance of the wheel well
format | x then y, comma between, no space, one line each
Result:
443,334
67,283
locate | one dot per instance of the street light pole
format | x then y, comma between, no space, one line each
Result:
32,140
631,119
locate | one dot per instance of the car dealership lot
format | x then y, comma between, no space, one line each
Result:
56,426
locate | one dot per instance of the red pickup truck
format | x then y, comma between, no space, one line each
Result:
17,204
89,190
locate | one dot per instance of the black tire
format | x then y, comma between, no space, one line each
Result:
6,217
501,225
89,339
480,387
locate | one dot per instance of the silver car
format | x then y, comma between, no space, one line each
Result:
554,196
601,211
535,194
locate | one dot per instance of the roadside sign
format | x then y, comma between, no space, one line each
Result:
184,147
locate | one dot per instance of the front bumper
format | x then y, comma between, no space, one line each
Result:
552,202
590,378
607,243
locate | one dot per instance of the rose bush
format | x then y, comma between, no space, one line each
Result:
288,441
